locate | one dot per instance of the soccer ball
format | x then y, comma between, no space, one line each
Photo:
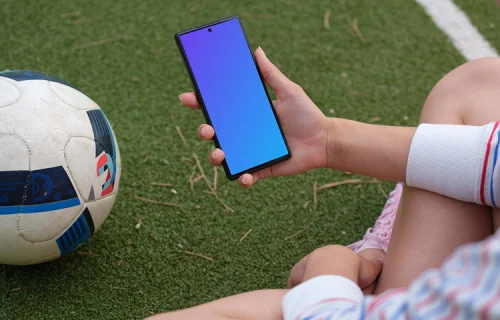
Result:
59,167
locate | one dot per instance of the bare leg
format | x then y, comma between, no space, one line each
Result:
429,226
262,304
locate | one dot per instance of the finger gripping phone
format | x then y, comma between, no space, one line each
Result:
233,97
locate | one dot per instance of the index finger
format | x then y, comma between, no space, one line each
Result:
189,99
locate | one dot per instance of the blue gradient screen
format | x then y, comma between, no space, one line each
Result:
234,96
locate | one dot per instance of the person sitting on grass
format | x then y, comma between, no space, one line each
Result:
443,257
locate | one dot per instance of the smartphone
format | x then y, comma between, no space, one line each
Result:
233,97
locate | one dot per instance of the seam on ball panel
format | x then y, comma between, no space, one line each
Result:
69,170
25,194
60,234
51,89
19,97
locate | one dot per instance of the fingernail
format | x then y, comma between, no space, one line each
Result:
203,131
260,48
244,180
213,155
180,96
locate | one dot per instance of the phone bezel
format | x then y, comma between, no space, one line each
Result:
228,173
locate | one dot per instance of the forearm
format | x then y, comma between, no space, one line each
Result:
457,161
371,150
262,304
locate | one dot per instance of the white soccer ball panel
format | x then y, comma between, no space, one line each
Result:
15,250
72,97
9,93
100,209
46,226
14,154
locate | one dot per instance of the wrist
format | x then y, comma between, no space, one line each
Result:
371,150
335,147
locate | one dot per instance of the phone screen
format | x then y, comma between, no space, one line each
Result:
234,96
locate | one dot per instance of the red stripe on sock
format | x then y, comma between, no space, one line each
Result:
485,163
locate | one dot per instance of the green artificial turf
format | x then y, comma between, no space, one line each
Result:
485,15
137,80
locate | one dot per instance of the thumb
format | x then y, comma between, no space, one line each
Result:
273,76
369,271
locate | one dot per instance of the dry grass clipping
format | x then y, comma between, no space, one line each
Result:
358,182
199,255
298,232
354,26
87,253
161,184
245,235
349,181
212,191
100,42
191,183
181,135
197,178
159,202
215,178
326,19
384,194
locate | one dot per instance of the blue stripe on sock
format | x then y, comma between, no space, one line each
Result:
495,157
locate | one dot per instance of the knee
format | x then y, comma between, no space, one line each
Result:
479,72
456,94
472,73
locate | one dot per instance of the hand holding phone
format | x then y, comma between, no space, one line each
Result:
304,125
